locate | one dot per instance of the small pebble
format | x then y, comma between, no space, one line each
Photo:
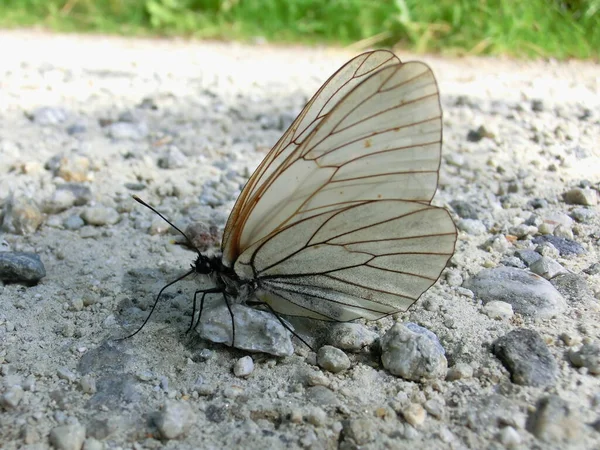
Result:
480,133
414,414
528,293
127,131
332,359
360,432
81,192
454,278
67,437
578,196
547,268
587,356
528,256
49,115
93,444
509,437
173,158
76,128
316,416
73,222
88,384
100,215
498,310
351,336
465,210
22,216
473,227
65,374
526,356
459,371
564,246
583,215
60,200
11,397
412,355
21,267
243,367
175,419
554,421
434,407
522,231
71,167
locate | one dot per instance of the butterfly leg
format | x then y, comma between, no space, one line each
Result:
204,292
232,318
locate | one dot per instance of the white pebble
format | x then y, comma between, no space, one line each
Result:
414,414
243,367
498,310
67,437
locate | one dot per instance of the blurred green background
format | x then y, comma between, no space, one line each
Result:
525,28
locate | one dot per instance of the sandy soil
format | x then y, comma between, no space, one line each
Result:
199,118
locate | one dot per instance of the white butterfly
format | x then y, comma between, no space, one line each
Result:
336,222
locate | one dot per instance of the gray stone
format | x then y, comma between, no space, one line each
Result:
554,421
332,359
255,331
587,356
127,131
59,201
411,355
572,286
173,158
81,192
21,267
528,293
465,210
48,115
565,246
351,336
582,214
547,268
73,222
528,256
473,227
525,355
486,412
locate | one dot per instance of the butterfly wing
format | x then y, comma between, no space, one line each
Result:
286,152
336,223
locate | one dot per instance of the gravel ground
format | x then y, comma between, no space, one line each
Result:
85,122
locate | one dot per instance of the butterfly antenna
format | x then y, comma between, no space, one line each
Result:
142,202
156,303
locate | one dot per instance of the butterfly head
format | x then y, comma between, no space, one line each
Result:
203,265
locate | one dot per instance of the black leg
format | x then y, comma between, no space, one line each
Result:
156,303
204,292
232,319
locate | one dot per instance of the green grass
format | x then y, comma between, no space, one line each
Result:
535,28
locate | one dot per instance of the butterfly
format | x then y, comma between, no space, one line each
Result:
336,223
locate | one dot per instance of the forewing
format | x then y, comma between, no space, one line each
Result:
287,150
380,141
366,260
